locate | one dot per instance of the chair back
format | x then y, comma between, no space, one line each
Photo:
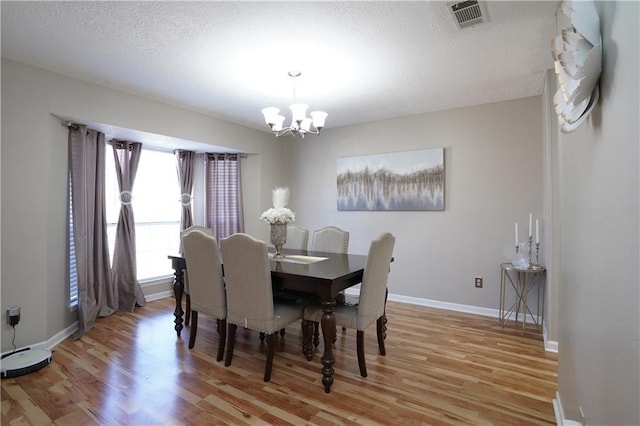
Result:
297,238
374,281
331,240
206,284
248,277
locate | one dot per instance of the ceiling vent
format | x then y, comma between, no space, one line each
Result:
468,13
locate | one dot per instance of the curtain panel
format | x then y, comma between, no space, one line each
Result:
97,295
124,269
224,210
185,162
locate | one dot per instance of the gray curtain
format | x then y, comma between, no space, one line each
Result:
97,296
185,162
124,270
223,189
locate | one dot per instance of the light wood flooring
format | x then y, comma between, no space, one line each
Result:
441,367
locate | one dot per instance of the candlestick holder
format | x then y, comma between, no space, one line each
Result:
530,241
537,254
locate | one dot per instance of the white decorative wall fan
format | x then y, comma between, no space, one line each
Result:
577,56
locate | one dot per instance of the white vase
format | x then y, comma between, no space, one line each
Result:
278,238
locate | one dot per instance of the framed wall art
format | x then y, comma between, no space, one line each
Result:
408,180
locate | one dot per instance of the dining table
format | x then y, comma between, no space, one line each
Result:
319,275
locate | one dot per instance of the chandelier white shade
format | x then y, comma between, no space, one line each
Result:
301,125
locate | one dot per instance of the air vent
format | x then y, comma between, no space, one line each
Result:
468,13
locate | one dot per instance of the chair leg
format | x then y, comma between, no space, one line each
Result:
187,309
194,329
307,331
382,334
316,334
222,335
231,331
360,347
271,344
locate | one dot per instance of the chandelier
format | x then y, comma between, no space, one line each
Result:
301,125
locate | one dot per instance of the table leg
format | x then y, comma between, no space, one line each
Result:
178,289
525,290
541,306
307,332
501,308
518,294
328,323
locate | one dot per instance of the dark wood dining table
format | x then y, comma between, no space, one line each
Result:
323,279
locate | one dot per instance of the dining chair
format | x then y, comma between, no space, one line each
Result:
330,239
206,283
297,237
372,301
250,302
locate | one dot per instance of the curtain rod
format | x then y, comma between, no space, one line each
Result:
239,154
67,123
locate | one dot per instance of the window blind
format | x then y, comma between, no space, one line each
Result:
73,271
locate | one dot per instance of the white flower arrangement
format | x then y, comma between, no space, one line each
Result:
279,213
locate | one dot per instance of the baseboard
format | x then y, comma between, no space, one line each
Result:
549,346
487,312
558,410
351,294
158,296
70,330
52,342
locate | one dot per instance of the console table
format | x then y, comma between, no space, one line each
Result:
522,281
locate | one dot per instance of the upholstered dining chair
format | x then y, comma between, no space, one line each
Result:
297,237
250,302
330,239
206,283
372,301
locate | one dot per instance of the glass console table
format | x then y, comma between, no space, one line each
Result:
522,281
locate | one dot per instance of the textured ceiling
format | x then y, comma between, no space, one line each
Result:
361,61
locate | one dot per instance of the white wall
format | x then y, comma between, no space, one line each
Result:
599,332
493,161
34,173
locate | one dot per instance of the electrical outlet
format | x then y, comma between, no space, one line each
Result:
478,282
13,315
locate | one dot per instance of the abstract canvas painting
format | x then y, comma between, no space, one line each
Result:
409,180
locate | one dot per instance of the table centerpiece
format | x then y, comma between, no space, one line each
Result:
278,217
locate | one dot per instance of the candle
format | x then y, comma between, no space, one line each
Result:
537,232
516,233
530,217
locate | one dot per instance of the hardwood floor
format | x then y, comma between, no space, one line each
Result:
441,367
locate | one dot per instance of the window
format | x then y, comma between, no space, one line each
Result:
156,210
